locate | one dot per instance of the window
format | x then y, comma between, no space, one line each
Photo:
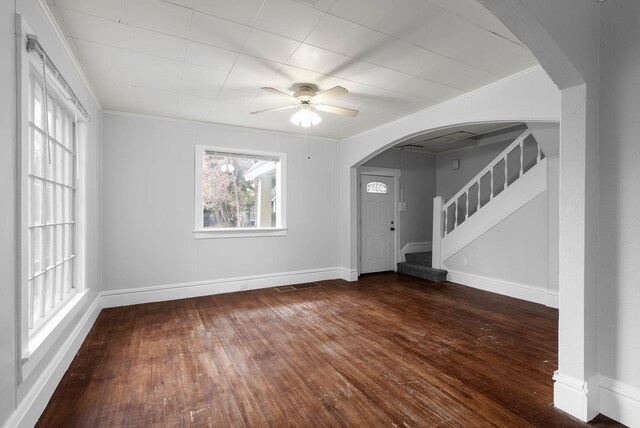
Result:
238,193
376,187
51,204
52,128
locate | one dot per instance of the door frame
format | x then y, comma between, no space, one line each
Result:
386,172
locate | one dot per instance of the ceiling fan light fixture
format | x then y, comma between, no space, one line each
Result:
305,117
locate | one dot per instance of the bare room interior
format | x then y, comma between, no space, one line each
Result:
319,213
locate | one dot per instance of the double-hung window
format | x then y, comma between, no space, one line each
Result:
52,129
239,193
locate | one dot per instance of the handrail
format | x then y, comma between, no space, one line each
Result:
488,169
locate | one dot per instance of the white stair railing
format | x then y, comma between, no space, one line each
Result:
447,216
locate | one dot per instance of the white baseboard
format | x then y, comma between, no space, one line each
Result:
578,398
415,247
506,288
36,399
349,274
619,401
163,293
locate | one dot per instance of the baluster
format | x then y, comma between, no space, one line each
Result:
466,213
521,158
446,225
478,206
538,157
491,189
506,173
455,214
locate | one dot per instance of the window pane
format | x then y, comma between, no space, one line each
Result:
238,191
67,240
49,289
37,105
49,159
59,163
68,163
58,124
37,299
66,140
59,284
36,201
59,244
59,202
50,121
66,214
67,277
376,187
36,249
48,246
48,201
31,300
30,256
38,143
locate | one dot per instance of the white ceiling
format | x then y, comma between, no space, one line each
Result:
207,59
463,137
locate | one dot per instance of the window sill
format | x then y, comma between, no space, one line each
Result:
239,233
42,341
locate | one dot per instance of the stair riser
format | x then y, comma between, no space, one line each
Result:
436,275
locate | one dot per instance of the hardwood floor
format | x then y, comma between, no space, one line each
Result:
388,350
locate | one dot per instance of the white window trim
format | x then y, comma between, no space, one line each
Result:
200,232
33,349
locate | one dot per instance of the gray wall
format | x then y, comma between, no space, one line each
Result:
528,238
8,249
419,190
148,188
515,250
450,181
619,250
11,391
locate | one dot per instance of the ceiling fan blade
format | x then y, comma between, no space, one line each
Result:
336,91
337,110
273,109
278,92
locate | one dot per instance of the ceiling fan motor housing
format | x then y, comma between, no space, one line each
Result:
305,93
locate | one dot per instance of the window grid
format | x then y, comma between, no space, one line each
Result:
52,205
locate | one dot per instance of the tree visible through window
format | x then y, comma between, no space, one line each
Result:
239,191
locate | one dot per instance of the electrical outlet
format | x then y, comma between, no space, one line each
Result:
465,262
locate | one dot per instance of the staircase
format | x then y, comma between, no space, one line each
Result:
513,178
419,265
516,176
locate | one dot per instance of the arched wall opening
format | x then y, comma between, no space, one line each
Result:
571,95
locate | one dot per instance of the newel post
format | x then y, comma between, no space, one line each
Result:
438,228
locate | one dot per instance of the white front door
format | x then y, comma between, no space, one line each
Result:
377,229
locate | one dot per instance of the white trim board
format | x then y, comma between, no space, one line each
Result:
619,401
576,397
164,293
598,394
36,399
415,247
507,288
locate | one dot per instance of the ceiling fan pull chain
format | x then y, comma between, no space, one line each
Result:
307,143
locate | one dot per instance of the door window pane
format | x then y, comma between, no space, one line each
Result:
376,187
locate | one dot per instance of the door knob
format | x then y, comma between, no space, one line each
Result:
392,229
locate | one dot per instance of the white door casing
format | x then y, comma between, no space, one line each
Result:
378,225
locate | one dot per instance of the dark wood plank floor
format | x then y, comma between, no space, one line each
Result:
388,350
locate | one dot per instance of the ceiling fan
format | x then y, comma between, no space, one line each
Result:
306,99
